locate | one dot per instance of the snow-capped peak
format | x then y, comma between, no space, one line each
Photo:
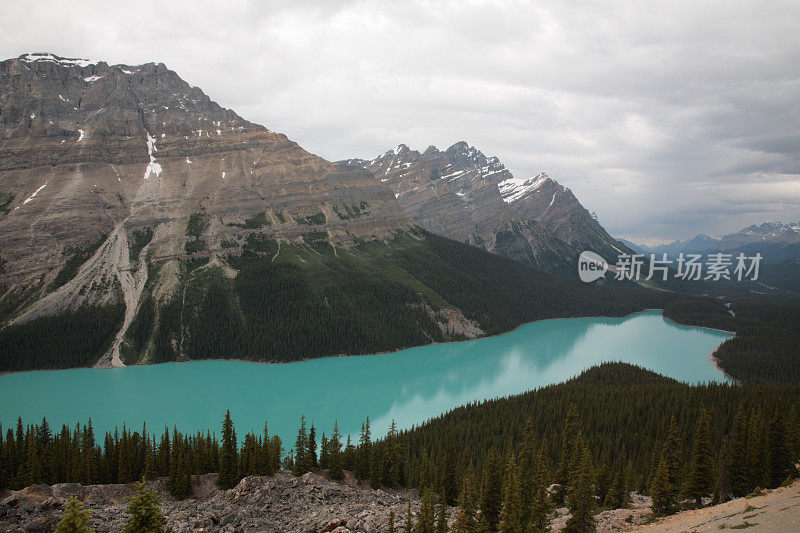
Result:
67,62
515,188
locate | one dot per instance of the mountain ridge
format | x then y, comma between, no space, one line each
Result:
463,194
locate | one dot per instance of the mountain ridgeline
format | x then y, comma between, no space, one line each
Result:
141,222
464,195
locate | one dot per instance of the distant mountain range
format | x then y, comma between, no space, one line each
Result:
774,240
778,244
462,194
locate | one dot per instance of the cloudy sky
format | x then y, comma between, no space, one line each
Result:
667,118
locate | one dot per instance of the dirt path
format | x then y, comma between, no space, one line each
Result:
776,511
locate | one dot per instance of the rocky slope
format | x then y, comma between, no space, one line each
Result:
464,195
118,180
282,503
312,503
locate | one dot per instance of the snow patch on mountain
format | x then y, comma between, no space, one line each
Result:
152,167
513,189
67,62
32,196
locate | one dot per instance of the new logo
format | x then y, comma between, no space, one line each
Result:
591,267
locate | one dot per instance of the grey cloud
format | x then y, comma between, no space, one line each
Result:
667,118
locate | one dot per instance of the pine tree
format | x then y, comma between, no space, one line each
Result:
700,482
511,516
364,450
301,459
537,520
145,516
312,448
467,517
569,454
441,517
390,524
661,490
426,522
671,452
738,474
75,518
409,525
664,485
492,498
335,454
323,452
778,451
581,499
229,460
528,468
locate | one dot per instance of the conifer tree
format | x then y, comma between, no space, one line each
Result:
323,452
409,525
758,476
569,457
75,518
661,490
312,448
301,459
778,451
511,516
581,499
266,452
335,454
700,482
228,461
467,517
441,517
538,521
672,455
492,498
426,521
664,488
390,524
528,468
537,516
364,450
737,466
144,514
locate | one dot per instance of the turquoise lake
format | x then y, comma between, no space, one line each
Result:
408,386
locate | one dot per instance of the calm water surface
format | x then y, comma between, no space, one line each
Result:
409,386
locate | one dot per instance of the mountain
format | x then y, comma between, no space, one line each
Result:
141,222
462,194
778,244
697,244
770,236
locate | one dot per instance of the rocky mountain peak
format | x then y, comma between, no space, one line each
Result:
463,194
46,95
464,156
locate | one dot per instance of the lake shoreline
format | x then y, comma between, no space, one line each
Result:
390,352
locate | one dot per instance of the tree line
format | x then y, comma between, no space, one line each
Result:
505,463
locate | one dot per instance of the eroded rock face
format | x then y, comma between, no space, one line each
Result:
92,153
281,503
463,194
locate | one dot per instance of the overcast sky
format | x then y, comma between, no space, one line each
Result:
667,118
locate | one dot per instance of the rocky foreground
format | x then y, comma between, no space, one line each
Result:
285,503
279,503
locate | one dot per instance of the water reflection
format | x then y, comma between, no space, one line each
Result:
408,386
